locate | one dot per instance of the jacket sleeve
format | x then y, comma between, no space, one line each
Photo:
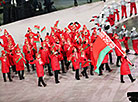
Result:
121,40
32,62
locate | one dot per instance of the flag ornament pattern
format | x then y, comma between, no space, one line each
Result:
102,45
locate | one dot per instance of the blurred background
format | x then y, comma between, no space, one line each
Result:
13,10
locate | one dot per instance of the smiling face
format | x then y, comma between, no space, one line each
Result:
117,37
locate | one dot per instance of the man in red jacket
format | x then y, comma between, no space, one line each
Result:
33,39
125,70
75,59
84,62
28,52
44,52
39,69
118,53
55,64
10,54
19,60
6,39
5,66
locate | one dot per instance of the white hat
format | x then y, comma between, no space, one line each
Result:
133,29
124,27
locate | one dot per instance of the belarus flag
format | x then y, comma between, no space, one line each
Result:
102,45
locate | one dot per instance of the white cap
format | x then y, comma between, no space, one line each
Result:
124,27
133,29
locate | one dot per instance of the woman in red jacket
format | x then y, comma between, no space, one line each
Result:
125,70
28,54
68,48
6,38
44,52
75,59
5,66
39,69
55,64
84,63
118,53
19,60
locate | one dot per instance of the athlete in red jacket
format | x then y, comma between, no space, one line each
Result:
28,52
118,53
44,51
55,64
39,69
5,66
125,70
19,60
75,59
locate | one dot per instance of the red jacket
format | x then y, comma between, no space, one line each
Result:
75,59
117,42
39,67
124,69
5,64
10,56
45,55
33,41
5,40
19,60
83,59
54,62
68,49
111,19
28,52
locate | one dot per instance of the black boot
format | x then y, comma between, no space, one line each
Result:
68,65
127,51
107,67
62,64
23,74
130,14
43,82
110,57
4,77
100,69
118,59
19,75
9,76
131,78
85,71
56,77
77,74
27,65
121,77
39,81
33,67
91,70
49,70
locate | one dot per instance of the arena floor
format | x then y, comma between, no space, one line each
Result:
106,88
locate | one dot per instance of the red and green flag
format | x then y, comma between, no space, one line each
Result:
43,29
37,27
102,45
